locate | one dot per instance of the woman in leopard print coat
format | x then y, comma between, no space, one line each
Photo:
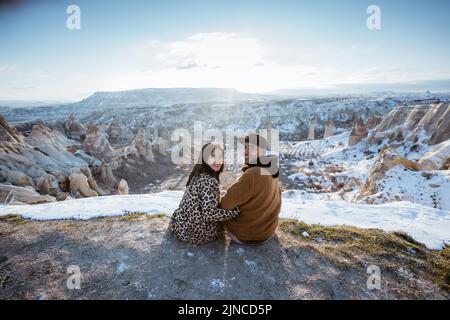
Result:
198,217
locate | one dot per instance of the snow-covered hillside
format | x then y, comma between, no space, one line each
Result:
219,109
168,96
328,168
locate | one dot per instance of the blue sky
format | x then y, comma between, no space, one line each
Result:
258,46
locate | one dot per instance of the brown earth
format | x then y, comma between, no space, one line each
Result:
134,257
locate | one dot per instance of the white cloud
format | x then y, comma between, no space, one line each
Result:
8,68
216,60
245,63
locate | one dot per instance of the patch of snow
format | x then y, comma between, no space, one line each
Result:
121,267
217,283
107,206
251,264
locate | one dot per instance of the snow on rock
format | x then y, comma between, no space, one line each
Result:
429,188
409,122
427,225
387,160
97,145
317,147
358,133
329,165
437,158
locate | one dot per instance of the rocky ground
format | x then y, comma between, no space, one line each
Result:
134,257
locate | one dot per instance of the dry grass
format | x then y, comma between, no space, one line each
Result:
138,216
13,219
347,247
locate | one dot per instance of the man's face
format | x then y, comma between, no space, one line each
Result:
252,153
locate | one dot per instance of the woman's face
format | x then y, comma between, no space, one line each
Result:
215,160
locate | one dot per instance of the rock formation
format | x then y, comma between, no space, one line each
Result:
312,129
90,160
106,175
394,118
429,124
48,184
372,122
38,161
166,134
16,178
22,195
160,145
79,184
118,133
42,134
437,158
329,129
388,159
122,188
54,145
436,123
98,146
8,133
143,145
74,129
37,166
358,133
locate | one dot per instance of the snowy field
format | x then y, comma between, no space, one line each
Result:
426,225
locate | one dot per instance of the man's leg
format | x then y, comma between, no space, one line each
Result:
249,243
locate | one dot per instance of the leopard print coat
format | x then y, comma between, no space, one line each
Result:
198,217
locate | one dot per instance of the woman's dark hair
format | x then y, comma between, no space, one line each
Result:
201,165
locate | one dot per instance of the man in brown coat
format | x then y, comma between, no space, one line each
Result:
257,193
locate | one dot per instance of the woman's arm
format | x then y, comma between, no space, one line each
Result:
210,202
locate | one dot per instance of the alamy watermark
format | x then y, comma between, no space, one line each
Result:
374,279
73,21
374,19
188,146
74,280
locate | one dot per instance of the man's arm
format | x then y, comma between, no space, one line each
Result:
239,192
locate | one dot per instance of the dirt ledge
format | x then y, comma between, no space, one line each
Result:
134,257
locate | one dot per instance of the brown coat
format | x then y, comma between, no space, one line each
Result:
258,197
